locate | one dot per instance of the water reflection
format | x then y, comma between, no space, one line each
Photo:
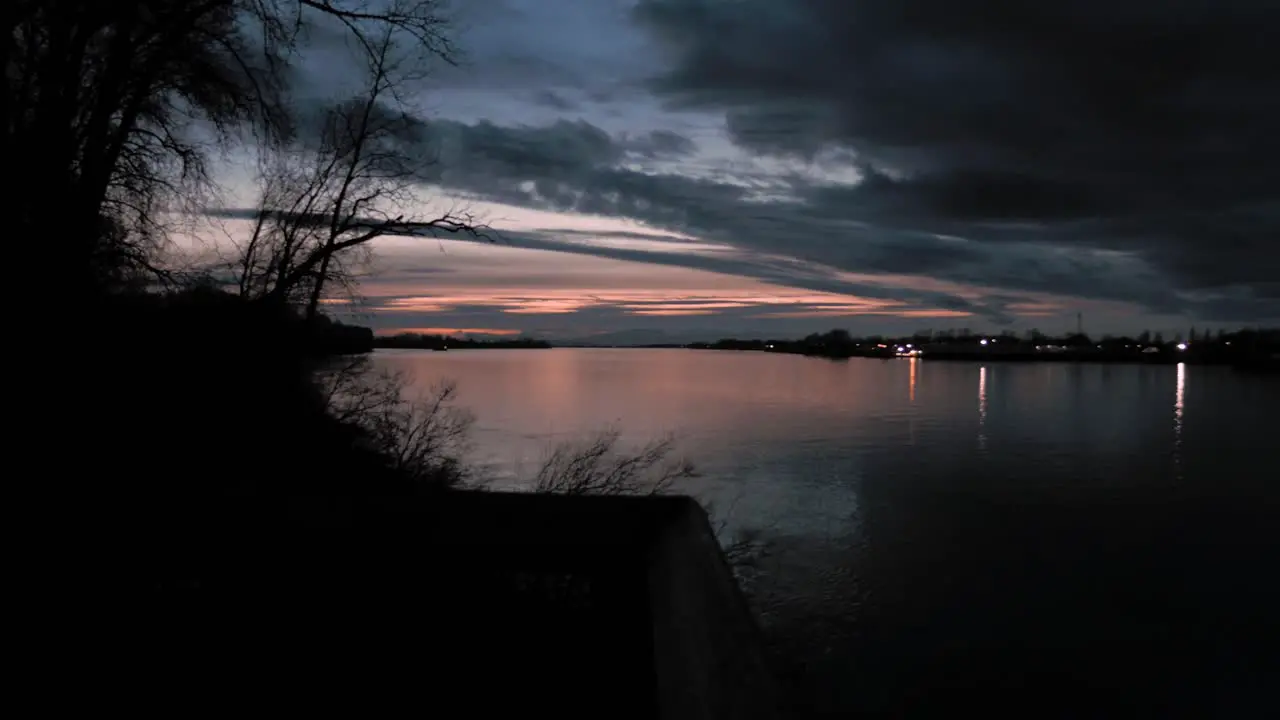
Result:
911,399
1178,409
797,437
982,408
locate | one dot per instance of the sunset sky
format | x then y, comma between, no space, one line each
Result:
700,168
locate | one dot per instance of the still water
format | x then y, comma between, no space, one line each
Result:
791,438
937,524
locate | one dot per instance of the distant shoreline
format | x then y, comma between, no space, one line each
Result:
1260,363
415,341
1252,351
1100,359
1266,365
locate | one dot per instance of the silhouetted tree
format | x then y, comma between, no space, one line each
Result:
422,437
324,199
596,467
109,108
1077,340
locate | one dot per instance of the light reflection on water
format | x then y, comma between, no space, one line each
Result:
794,440
982,408
1178,410
904,550
915,365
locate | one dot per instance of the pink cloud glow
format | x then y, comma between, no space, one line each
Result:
447,331
464,286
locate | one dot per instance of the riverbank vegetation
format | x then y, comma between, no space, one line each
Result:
218,392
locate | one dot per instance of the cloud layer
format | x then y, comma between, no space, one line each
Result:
1144,127
986,157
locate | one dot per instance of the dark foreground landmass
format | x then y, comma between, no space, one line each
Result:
232,545
499,604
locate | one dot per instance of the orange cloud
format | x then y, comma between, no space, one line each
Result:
686,306
447,331
669,313
1036,309
555,301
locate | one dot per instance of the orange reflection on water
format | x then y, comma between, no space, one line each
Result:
561,393
914,363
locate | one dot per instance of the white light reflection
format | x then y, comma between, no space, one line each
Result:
982,408
1178,410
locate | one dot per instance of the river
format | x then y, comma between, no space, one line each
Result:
929,528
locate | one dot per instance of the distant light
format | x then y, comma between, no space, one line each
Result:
1182,346
768,347
1228,342
900,348
993,341
984,341
908,344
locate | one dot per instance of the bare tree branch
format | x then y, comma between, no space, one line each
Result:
597,467
325,198
111,106
423,436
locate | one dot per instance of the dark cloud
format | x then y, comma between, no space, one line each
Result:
1145,127
617,235
574,166
521,45
554,100
661,144
561,151
1055,234
778,270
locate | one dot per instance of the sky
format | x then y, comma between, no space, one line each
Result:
695,169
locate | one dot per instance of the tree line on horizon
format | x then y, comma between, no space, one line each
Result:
427,341
1221,346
